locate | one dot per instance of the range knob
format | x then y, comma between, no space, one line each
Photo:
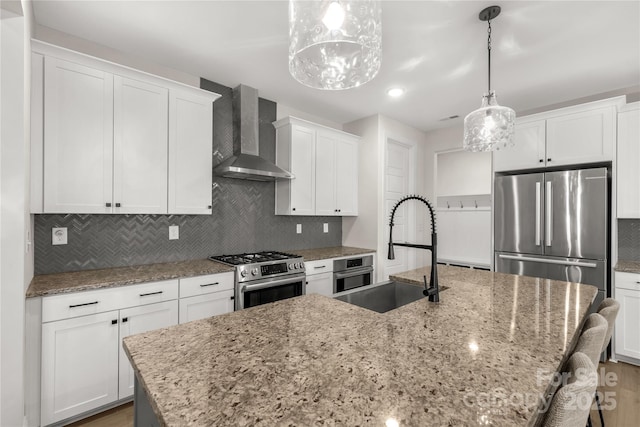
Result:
254,272
243,273
292,266
299,265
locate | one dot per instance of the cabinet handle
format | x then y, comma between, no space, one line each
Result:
117,205
541,160
208,206
293,209
125,319
320,266
232,298
114,321
108,204
548,160
210,284
151,293
82,305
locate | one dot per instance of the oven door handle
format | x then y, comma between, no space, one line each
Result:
351,273
257,286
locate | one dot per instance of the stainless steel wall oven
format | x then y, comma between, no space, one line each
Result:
350,273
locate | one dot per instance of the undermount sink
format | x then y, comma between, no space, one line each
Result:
383,297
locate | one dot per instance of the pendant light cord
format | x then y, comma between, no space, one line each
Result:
489,55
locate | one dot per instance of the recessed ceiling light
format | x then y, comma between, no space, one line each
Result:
395,92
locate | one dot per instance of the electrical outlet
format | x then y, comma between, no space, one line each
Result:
59,236
299,228
325,227
174,232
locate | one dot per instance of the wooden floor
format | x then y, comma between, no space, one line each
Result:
621,401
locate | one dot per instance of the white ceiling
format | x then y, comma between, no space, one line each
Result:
544,52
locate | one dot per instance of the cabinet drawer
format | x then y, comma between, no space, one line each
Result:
201,285
148,293
76,304
627,281
319,266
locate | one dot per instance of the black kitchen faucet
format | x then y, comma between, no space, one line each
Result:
432,291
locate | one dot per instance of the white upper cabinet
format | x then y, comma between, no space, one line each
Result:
140,141
324,163
529,150
190,153
574,135
78,106
108,139
628,174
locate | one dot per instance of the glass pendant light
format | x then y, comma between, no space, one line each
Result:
490,127
334,45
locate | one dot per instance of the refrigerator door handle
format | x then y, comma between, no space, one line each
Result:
549,261
548,214
538,188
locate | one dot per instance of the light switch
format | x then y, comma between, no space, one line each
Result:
59,236
325,227
299,228
174,232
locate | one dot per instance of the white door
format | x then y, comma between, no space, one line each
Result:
628,182
137,320
78,138
79,365
203,306
141,140
399,182
190,153
529,149
347,177
303,192
326,175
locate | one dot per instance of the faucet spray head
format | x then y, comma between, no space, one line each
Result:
391,254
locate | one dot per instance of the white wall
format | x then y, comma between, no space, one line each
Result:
15,256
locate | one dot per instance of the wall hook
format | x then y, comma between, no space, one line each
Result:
461,205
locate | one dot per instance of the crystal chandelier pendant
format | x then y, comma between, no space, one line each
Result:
334,45
490,127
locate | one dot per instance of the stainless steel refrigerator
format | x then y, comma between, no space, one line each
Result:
554,225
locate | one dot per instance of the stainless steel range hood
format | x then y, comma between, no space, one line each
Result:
246,162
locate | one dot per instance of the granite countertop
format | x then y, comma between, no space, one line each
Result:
313,360
628,266
332,252
75,281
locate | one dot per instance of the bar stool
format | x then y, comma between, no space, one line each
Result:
608,309
592,337
571,404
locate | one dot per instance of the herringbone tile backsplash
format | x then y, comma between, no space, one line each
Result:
243,218
629,239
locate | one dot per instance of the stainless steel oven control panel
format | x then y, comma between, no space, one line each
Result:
250,272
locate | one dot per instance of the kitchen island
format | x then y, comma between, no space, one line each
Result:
484,355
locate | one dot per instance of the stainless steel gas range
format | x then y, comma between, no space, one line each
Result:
265,277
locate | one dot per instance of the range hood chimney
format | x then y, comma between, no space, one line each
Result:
246,162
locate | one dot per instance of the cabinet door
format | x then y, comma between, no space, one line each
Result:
627,340
584,137
79,365
190,154
137,320
140,147
628,174
303,194
529,150
326,175
78,138
320,284
203,306
347,177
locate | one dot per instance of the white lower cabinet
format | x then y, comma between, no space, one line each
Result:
206,296
137,320
320,284
627,333
79,365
